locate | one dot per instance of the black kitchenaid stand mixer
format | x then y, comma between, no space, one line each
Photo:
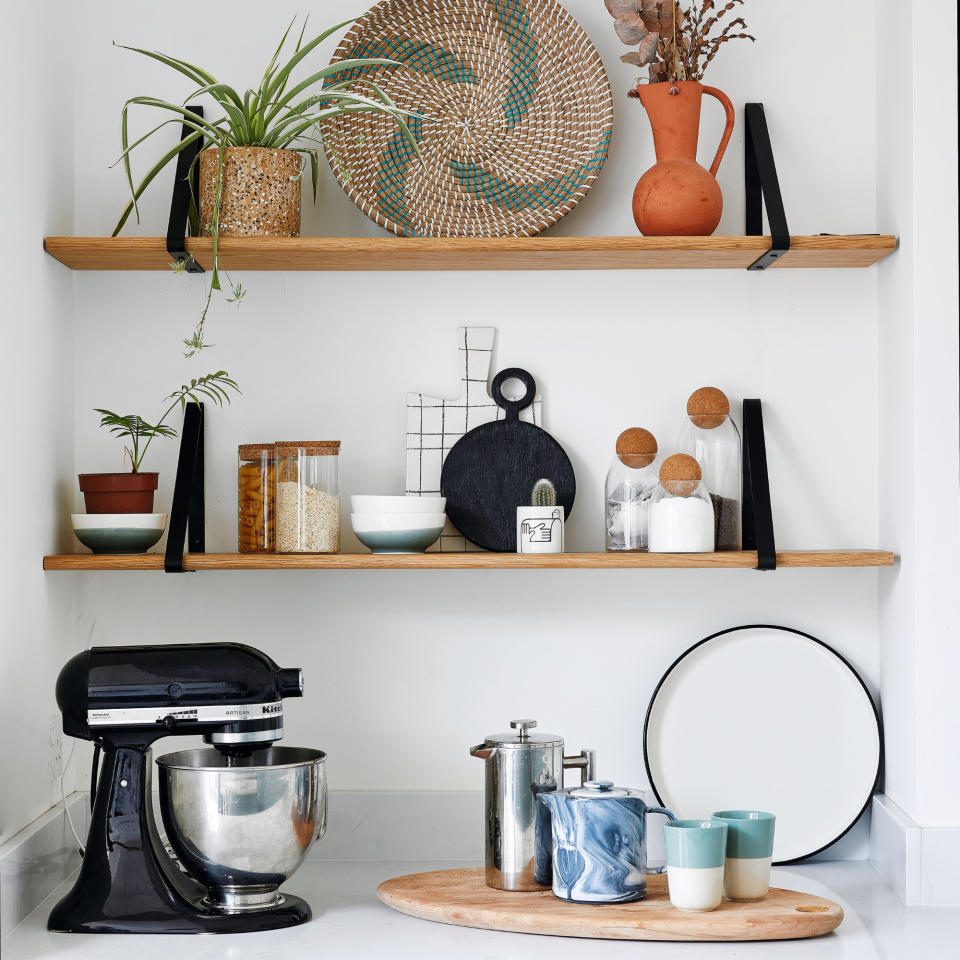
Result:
124,699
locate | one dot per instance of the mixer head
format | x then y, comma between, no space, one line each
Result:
228,693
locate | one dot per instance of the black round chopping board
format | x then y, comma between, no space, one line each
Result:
491,471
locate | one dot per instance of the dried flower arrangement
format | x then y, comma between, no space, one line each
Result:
675,44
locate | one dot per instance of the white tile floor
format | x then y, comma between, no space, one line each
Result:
349,921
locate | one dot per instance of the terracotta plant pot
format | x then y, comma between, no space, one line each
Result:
677,197
260,195
118,492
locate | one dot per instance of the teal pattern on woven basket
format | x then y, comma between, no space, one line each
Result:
515,24
391,186
436,61
414,55
517,196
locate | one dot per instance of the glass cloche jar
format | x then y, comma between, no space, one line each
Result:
681,514
631,480
712,439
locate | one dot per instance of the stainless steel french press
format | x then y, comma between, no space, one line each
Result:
519,766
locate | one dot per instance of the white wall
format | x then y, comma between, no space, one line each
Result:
37,631
919,399
405,670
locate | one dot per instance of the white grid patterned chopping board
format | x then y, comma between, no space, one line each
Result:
434,424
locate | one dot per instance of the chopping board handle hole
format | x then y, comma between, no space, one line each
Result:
513,407
811,909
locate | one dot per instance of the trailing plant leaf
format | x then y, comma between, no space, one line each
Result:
276,115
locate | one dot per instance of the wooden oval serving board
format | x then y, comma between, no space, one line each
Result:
461,897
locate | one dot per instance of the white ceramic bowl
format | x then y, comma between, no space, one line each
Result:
397,532
394,505
119,532
395,522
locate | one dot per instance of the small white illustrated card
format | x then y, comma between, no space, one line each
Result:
540,529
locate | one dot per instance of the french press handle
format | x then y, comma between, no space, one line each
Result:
586,762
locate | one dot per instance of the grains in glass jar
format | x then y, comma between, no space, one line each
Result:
308,496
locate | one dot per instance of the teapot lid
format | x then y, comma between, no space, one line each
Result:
520,737
603,789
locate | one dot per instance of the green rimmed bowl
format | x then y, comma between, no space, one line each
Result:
397,532
120,533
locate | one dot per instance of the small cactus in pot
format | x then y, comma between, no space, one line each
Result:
540,525
544,494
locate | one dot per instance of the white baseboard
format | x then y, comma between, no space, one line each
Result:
35,861
918,863
895,849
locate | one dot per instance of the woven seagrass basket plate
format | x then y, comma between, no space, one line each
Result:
517,115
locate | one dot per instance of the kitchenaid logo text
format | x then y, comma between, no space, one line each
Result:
148,716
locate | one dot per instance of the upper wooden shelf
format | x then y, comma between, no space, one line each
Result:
470,561
474,253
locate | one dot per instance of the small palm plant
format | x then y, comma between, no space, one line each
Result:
274,115
130,426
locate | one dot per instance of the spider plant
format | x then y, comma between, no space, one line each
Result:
130,426
276,114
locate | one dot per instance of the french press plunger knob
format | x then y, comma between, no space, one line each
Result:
523,726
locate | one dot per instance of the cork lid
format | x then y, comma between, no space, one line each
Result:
708,407
636,447
309,448
254,451
680,475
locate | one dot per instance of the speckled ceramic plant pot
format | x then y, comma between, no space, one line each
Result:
261,191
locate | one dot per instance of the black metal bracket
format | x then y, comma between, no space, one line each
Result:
187,512
763,187
757,519
183,194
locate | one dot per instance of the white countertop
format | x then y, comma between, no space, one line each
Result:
349,921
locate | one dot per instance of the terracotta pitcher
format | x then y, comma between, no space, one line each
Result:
676,196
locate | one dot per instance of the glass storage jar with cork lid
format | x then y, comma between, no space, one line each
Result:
256,476
308,496
631,480
681,514
712,438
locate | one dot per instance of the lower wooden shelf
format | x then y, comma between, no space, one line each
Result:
745,559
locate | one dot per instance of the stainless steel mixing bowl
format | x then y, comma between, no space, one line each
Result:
243,825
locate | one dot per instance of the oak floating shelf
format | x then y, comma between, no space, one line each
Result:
473,253
744,559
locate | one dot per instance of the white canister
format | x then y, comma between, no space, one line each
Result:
540,529
681,513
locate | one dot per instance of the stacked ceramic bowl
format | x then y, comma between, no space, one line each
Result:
119,532
397,524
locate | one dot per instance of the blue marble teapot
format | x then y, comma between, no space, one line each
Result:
599,835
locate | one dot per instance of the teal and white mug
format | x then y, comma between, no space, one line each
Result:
749,853
695,856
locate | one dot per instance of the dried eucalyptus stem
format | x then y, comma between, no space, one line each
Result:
675,44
